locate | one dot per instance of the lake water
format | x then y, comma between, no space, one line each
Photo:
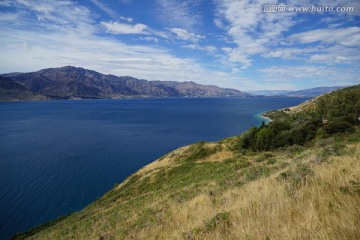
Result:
56,157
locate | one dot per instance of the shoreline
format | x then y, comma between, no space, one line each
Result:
267,119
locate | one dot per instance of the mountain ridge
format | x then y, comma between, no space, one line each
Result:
73,82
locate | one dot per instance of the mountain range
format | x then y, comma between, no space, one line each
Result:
309,93
78,83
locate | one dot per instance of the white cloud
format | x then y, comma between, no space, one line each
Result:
259,34
9,17
149,39
123,28
219,23
105,8
330,55
285,53
60,41
179,13
185,35
320,75
52,16
341,3
295,52
252,31
287,73
207,48
238,56
337,54
349,37
119,28
326,46
6,3
128,19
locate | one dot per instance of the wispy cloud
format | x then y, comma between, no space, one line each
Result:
127,19
337,54
52,16
251,31
326,46
207,48
181,14
257,34
68,45
123,28
219,23
6,3
339,3
329,55
284,53
105,8
349,37
324,75
149,39
185,35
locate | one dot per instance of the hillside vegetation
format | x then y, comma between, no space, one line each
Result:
297,177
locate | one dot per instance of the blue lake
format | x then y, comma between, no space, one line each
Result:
56,157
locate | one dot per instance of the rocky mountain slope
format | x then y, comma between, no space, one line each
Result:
11,90
72,82
297,177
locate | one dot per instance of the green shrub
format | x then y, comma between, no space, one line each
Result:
341,109
338,127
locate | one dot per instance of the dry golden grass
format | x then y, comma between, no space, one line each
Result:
327,206
218,157
306,106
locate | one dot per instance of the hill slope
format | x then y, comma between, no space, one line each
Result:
253,186
313,92
71,82
306,93
12,90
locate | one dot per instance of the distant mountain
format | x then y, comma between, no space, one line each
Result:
11,90
308,93
194,89
72,82
269,92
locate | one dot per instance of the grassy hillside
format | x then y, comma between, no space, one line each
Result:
253,186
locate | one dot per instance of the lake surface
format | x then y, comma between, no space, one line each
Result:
56,157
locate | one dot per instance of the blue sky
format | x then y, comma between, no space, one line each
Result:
226,43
